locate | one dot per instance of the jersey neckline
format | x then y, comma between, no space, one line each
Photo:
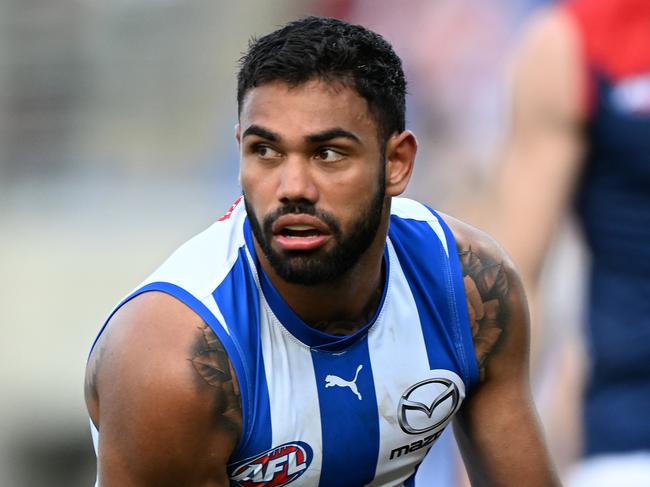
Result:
308,335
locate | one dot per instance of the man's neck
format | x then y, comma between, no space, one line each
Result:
347,323
339,307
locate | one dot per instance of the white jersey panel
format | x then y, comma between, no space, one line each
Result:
293,396
399,361
200,264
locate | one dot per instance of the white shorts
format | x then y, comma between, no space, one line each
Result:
628,469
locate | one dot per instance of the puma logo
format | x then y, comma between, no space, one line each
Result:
335,380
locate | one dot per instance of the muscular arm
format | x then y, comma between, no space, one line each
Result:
497,428
544,148
163,394
543,151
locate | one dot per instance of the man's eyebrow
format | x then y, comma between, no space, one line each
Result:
330,134
260,132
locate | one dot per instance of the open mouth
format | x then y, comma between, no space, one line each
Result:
297,232
300,231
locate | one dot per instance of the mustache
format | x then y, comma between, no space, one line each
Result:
300,207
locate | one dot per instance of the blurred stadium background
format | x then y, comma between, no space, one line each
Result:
116,145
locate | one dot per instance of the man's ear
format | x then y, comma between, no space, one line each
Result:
238,138
400,157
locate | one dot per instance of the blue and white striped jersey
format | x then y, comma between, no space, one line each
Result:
329,410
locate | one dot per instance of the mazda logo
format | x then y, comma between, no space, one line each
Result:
427,405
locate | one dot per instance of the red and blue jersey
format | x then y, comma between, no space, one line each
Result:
613,204
332,410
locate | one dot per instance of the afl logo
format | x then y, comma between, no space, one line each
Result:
275,467
427,405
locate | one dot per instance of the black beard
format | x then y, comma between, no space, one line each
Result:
310,268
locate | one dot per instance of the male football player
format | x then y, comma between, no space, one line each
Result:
323,331
580,144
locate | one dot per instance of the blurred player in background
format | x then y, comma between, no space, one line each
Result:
324,331
581,139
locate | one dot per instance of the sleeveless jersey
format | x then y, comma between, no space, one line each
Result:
328,410
613,205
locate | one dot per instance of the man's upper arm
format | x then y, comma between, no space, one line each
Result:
165,398
544,147
497,428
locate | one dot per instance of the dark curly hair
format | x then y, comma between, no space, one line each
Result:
330,50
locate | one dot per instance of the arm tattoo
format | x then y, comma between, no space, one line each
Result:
211,363
486,289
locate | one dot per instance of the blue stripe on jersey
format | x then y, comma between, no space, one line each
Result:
292,322
427,269
350,426
465,345
238,300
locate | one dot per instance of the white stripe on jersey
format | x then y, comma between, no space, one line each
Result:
203,261
400,335
293,395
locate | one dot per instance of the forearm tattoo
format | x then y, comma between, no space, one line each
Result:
486,289
210,361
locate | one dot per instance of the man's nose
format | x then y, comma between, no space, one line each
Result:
296,181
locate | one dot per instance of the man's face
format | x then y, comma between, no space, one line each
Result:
313,176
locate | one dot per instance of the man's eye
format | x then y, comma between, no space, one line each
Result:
265,152
329,155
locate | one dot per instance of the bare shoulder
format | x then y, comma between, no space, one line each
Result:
551,45
496,302
550,28
467,236
161,389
